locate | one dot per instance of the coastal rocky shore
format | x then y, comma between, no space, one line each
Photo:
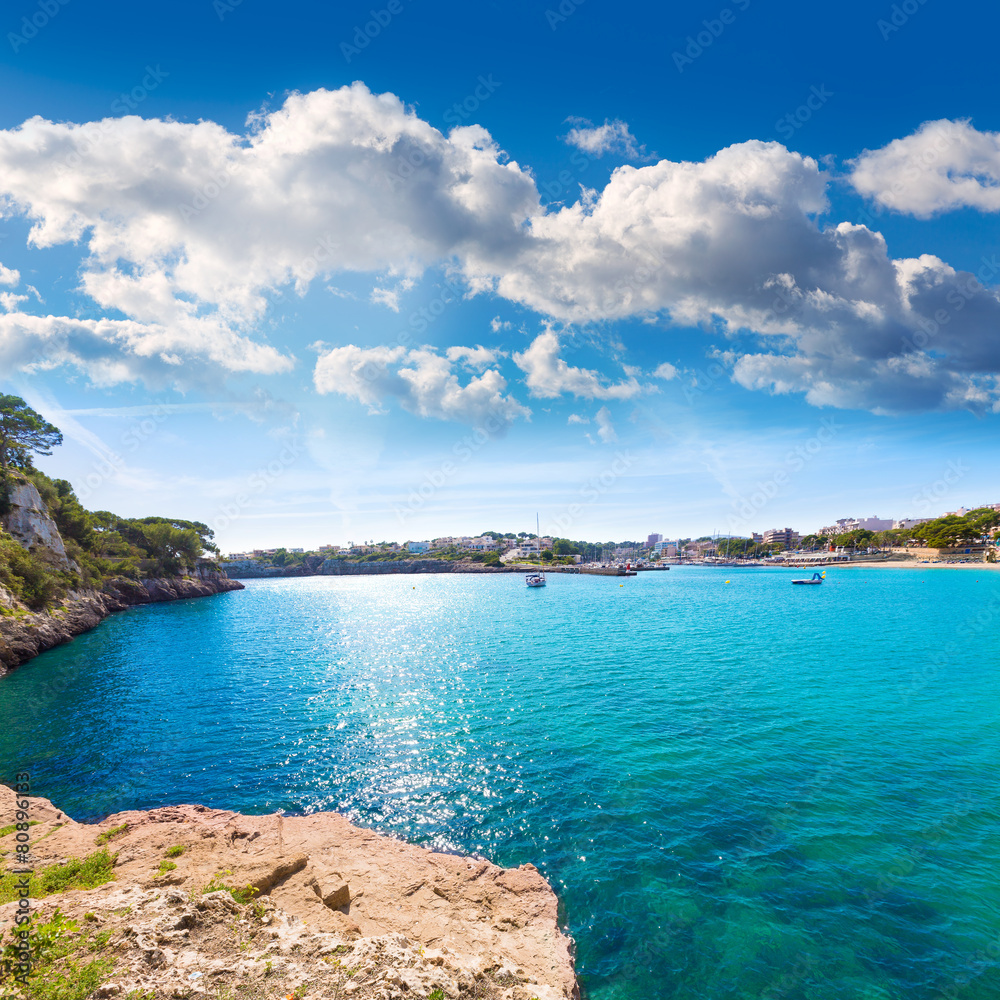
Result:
24,634
309,906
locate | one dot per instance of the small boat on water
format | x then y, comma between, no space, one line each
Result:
816,578
536,579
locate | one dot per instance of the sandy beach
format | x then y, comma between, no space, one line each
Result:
915,564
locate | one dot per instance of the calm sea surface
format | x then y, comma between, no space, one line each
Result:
739,790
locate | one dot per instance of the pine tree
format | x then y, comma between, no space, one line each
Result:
23,432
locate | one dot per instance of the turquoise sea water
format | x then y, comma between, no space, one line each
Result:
739,790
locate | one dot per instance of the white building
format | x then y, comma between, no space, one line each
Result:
528,549
482,544
418,546
846,524
783,536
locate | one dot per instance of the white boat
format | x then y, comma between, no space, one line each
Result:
536,579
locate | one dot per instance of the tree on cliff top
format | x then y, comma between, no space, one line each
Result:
23,432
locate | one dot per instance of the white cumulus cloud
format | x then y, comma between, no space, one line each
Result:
186,228
611,137
944,165
421,381
548,375
605,428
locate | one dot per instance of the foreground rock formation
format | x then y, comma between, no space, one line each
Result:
337,912
25,634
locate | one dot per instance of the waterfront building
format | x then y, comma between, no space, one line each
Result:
783,536
846,524
482,544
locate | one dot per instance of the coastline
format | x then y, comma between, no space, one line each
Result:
24,634
320,907
341,567
916,564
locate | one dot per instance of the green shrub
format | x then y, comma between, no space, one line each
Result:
27,576
77,873
242,896
59,966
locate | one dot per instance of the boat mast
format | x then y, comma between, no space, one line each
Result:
538,544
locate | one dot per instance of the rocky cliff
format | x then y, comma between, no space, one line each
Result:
29,523
24,633
322,910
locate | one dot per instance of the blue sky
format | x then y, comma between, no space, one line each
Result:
397,270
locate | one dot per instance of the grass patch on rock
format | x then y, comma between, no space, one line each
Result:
62,962
77,873
105,838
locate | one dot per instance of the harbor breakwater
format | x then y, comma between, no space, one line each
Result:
250,569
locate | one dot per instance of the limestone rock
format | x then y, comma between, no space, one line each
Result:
419,921
30,524
334,891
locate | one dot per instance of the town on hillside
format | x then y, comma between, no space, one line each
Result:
968,533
